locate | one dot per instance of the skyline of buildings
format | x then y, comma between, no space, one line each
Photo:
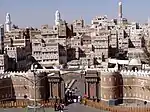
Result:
114,51
62,43
46,16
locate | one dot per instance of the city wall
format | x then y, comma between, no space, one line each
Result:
15,87
124,86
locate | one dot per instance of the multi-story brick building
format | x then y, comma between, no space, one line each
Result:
100,44
45,52
3,56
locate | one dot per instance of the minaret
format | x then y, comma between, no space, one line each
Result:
120,10
8,23
57,18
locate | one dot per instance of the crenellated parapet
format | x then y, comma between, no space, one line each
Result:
124,73
5,75
27,73
139,73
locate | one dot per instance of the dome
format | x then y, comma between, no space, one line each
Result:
135,62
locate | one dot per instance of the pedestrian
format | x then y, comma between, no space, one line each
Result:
61,107
55,106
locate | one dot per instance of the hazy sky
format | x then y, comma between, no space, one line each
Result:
37,12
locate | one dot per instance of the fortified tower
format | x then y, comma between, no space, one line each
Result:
110,89
40,86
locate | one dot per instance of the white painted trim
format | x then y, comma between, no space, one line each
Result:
104,99
34,99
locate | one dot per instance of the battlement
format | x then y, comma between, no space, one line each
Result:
17,72
5,75
139,73
38,71
108,70
25,73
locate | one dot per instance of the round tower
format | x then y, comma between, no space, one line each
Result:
40,89
110,86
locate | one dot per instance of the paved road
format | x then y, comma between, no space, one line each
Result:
76,107
23,110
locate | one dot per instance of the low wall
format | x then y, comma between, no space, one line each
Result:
103,106
25,103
